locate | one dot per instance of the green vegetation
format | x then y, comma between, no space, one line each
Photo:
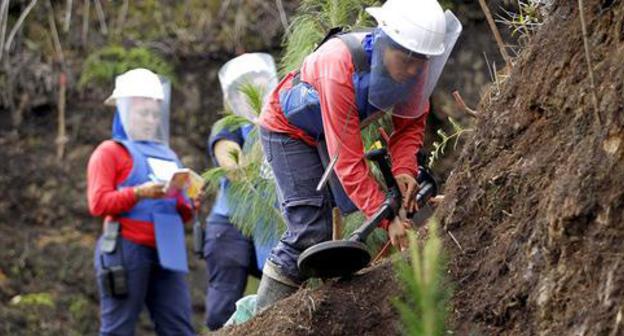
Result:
525,21
102,66
313,20
440,147
250,184
33,299
424,307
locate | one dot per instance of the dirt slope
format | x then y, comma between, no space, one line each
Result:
536,202
357,306
537,199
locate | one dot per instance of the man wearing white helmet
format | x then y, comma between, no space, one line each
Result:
140,260
345,83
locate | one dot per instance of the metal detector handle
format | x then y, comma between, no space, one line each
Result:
393,200
428,187
380,156
385,211
427,190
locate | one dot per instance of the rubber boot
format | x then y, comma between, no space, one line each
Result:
273,287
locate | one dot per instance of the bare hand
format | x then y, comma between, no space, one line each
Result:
150,190
397,231
408,187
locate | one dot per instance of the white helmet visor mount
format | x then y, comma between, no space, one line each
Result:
421,91
146,118
254,71
142,100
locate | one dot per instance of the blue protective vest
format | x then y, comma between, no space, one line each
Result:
162,213
222,204
302,107
301,104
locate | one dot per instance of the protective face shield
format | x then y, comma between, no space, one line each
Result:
401,80
256,69
397,77
142,101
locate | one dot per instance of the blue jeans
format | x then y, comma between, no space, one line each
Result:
164,292
298,169
230,258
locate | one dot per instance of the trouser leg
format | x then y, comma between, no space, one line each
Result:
169,302
298,169
118,316
228,254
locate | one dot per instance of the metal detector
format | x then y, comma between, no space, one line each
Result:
339,258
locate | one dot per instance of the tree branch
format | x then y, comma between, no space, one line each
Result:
18,24
497,35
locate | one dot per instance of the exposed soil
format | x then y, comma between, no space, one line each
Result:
47,235
357,306
536,203
536,200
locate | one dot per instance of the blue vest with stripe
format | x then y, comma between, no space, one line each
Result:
140,151
301,104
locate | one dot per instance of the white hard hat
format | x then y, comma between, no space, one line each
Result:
136,83
245,64
417,25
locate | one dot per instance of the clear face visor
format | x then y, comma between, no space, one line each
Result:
398,78
245,77
401,84
144,119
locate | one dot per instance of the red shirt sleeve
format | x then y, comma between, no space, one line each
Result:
185,209
109,165
405,142
330,71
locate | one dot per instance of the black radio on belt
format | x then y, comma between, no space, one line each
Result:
113,278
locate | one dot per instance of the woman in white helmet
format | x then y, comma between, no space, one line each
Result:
140,259
344,84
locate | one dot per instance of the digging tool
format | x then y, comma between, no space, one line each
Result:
339,258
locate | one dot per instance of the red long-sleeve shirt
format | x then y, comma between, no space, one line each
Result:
109,165
330,71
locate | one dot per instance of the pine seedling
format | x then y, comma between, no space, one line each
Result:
314,18
424,308
254,211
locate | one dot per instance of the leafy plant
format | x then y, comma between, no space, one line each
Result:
102,66
313,20
424,307
440,147
254,211
523,23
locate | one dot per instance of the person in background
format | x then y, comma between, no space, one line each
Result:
140,260
230,256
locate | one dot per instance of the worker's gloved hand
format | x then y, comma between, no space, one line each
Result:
150,190
397,231
409,188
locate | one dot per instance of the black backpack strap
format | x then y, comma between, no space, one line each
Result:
358,55
331,33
